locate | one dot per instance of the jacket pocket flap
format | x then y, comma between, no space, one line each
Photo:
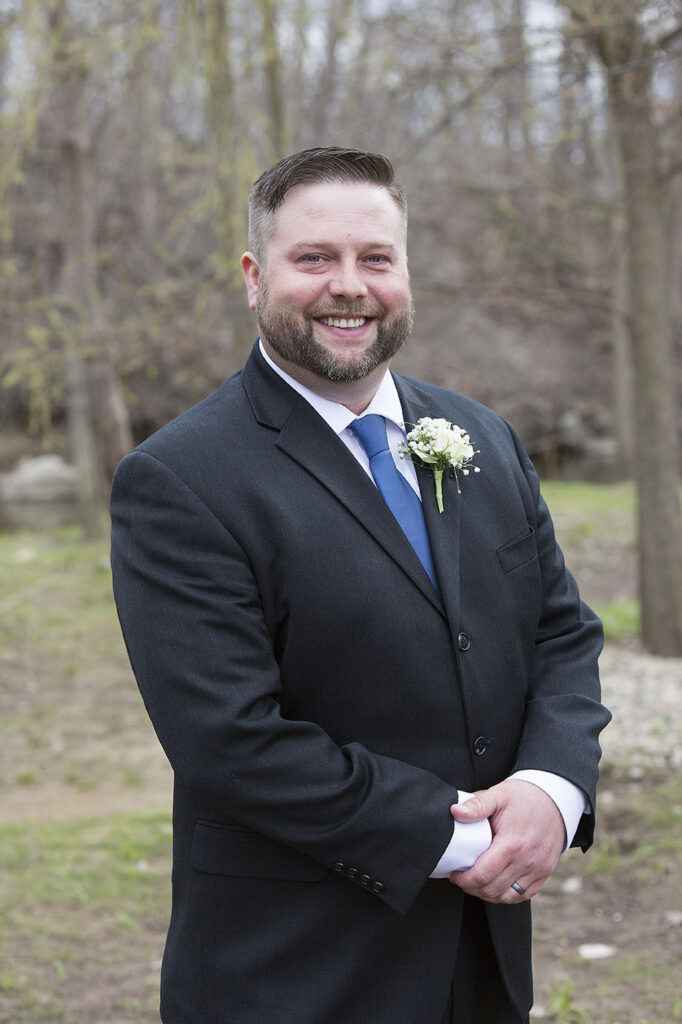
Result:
519,551
232,850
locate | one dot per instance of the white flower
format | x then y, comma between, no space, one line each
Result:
441,445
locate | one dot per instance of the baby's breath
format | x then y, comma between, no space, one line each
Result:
441,445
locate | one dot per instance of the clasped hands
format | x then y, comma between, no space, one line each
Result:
528,839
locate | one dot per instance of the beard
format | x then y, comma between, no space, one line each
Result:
292,337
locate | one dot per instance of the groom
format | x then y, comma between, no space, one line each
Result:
332,664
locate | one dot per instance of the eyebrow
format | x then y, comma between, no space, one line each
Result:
331,245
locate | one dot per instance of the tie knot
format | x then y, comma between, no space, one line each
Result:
371,433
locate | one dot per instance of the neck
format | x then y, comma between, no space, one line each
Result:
355,395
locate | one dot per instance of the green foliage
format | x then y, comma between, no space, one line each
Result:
621,620
561,1005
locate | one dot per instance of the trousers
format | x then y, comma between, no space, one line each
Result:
478,994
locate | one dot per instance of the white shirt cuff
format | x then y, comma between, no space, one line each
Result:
570,800
469,841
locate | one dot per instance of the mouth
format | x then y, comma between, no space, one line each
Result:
343,322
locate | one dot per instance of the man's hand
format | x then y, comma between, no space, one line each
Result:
528,838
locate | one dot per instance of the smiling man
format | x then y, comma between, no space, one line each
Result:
333,303
334,665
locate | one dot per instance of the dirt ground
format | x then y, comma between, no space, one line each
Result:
77,752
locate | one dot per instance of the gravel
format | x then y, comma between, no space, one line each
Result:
644,694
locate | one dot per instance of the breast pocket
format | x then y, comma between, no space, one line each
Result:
219,849
518,552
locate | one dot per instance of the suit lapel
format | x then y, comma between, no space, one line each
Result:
444,527
306,438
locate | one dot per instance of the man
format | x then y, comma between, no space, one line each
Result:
329,684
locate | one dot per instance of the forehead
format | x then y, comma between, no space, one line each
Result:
338,211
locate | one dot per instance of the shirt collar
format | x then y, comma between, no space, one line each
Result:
384,403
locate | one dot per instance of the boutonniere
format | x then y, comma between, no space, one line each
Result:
440,445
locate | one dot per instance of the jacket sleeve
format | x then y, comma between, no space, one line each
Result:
202,655
564,714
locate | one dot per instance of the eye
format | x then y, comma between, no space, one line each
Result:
312,258
377,259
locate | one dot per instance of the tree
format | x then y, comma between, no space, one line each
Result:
92,382
618,34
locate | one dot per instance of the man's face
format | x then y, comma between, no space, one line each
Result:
333,297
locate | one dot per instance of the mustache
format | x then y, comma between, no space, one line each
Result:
345,309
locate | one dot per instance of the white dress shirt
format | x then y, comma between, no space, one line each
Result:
469,840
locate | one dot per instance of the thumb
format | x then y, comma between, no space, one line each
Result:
473,806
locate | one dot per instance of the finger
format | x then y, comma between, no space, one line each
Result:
499,890
491,876
473,808
531,888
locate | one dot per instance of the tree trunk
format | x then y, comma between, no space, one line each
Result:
338,19
77,285
657,447
623,375
274,80
518,151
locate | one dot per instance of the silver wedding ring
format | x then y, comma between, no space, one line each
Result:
518,888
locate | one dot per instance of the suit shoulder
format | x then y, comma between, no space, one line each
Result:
198,425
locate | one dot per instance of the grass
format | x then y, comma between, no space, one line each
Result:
595,524
103,863
621,620
589,502
561,1006
630,880
69,895
644,840
55,590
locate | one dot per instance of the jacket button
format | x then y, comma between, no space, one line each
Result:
463,642
338,866
377,887
480,745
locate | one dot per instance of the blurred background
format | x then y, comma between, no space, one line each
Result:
541,145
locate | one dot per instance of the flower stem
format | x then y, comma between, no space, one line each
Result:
438,479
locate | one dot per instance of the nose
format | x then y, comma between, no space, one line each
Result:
347,282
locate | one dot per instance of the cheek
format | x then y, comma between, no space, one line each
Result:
298,295
394,294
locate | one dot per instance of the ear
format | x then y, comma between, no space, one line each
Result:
251,272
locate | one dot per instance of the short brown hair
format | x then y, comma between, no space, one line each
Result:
313,166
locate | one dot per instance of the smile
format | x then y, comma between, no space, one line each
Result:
343,322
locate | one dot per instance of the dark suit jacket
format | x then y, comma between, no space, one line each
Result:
321,704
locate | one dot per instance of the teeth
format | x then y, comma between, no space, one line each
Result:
331,321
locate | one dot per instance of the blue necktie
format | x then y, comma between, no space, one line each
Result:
394,488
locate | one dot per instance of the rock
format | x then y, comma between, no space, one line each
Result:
572,885
596,951
45,478
673,918
40,493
